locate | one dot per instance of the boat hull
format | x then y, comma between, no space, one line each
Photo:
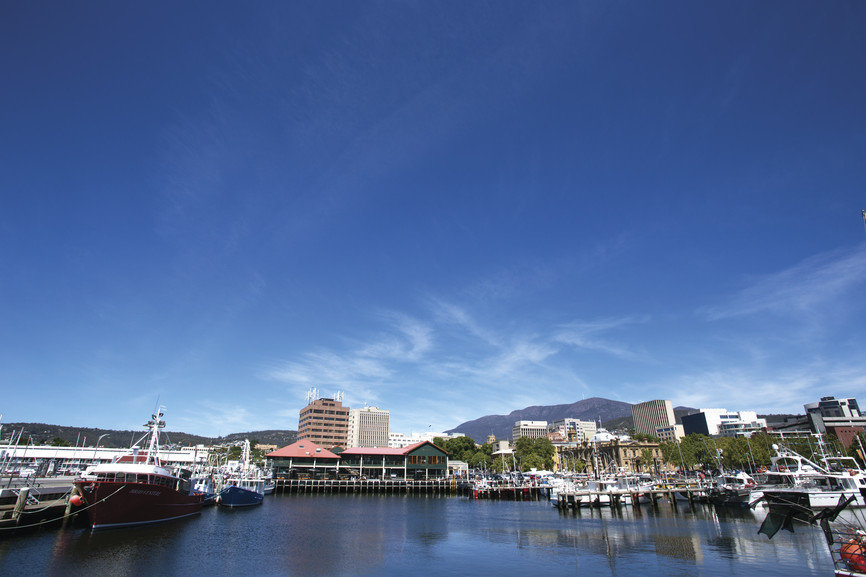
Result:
814,499
239,497
114,504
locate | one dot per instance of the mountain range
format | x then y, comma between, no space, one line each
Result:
42,433
592,409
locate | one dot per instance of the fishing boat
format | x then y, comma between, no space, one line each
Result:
821,486
732,489
136,488
204,483
242,487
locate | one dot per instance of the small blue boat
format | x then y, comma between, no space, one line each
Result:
241,492
242,488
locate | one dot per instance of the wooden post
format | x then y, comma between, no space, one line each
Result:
20,504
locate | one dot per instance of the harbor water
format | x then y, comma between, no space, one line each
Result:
310,535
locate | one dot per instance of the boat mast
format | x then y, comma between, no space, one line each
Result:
155,423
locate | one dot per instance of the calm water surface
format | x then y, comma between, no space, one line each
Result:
396,535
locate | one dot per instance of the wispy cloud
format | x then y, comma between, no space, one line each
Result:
804,289
216,418
453,359
589,336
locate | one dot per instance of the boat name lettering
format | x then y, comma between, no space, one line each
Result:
143,492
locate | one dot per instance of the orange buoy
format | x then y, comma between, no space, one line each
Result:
76,500
855,555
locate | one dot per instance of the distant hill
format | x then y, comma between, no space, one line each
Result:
44,433
588,410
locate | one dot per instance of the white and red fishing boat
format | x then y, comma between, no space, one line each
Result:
137,488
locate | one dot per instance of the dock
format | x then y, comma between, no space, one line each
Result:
37,503
575,498
368,486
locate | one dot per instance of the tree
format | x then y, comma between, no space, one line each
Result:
537,453
479,460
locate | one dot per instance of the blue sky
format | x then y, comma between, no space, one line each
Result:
445,209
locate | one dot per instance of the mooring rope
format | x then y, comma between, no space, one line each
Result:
62,516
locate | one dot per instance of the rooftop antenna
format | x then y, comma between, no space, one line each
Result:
312,395
338,396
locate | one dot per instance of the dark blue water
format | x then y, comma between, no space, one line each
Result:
395,535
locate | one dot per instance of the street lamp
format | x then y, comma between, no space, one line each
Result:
97,444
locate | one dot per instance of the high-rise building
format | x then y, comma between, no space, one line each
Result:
652,415
531,429
368,427
324,422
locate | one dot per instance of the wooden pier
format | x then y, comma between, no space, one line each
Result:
30,507
574,498
367,486
509,492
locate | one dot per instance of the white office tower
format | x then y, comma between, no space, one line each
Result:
368,427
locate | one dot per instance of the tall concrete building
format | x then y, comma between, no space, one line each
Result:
652,415
325,422
368,427
531,429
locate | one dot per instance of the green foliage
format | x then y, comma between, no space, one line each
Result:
58,442
479,460
537,453
644,438
459,448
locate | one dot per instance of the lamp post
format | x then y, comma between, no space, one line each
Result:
97,444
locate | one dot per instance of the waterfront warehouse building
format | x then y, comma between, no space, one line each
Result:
531,429
324,422
652,415
303,459
422,460
306,460
368,427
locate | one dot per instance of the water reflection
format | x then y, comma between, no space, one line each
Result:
399,535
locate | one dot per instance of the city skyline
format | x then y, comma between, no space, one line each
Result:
443,210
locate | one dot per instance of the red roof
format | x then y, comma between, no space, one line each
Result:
303,450
387,450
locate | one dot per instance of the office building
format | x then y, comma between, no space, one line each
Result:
368,427
325,422
531,429
652,415
714,422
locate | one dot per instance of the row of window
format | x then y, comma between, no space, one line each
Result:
427,460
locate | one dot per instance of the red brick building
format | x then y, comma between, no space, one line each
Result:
324,422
